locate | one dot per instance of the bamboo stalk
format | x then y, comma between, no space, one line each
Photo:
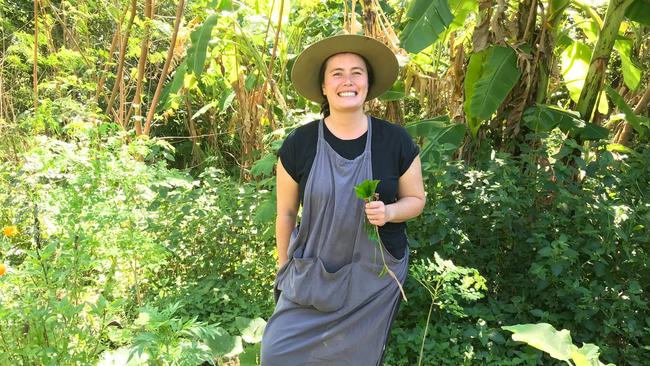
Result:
144,50
35,72
163,75
120,62
114,42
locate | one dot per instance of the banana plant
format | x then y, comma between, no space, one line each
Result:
491,75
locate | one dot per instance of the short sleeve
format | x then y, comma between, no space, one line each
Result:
287,155
408,151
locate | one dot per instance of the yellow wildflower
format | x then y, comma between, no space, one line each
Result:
10,231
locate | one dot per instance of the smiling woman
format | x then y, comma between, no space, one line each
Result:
332,308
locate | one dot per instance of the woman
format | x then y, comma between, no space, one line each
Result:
332,306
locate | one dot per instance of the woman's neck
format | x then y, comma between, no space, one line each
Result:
347,126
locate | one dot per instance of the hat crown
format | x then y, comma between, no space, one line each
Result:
306,71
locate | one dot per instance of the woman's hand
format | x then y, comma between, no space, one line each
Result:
377,213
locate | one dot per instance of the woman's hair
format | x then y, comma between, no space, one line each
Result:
325,106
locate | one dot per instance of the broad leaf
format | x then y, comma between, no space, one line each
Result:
366,189
427,127
498,77
250,356
223,344
441,136
635,121
196,54
631,73
265,165
460,10
544,118
427,19
204,109
474,70
544,337
638,12
592,131
251,329
396,92
575,65
172,87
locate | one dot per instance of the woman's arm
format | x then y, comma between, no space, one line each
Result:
287,210
410,199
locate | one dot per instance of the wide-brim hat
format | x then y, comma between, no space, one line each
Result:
305,73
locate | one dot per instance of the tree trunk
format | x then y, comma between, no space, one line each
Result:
600,57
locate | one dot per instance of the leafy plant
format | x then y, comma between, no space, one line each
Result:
559,345
443,279
366,191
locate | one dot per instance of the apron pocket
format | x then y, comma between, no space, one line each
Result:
307,282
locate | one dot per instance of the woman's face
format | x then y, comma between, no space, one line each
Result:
345,83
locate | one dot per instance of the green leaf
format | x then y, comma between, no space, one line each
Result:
366,189
250,356
638,12
631,118
474,71
592,131
544,337
623,149
461,10
428,127
396,92
427,19
441,136
265,165
266,211
251,329
223,344
172,87
575,65
196,54
204,109
499,75
631,73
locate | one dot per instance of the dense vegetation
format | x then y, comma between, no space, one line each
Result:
137,148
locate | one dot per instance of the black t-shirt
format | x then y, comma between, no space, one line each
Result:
392,151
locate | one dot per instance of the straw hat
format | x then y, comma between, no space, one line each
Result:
306,69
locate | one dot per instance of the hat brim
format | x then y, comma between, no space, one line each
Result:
306,69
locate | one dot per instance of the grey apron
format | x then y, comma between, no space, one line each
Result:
333,308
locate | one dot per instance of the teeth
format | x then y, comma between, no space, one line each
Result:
347,94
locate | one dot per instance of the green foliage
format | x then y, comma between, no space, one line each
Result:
440,137
638,12
196,54
366,192
544,118
640,124
105,228
499,74
426,21
551,250
575,65
558,344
